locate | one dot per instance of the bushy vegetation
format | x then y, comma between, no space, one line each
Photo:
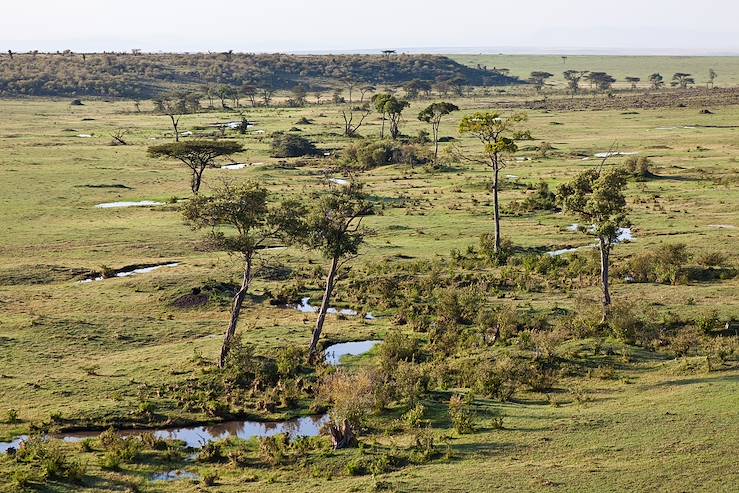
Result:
144,75
286,144
367,155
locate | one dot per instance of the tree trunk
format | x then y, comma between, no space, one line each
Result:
174,125
382,129
197,179
435,129
604,260
235,312
496,205
324,306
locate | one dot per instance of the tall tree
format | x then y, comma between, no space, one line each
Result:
174,106
657,80
712,76
224,92
240,222
334,227
597,197
539,79
387,104
495,132
433,114
196,155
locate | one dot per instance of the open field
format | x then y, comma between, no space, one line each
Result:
620,67
76,355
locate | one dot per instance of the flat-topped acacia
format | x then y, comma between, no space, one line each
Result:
196,155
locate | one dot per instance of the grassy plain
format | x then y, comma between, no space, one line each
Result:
655,426
727,67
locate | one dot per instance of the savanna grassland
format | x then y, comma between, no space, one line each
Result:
648,401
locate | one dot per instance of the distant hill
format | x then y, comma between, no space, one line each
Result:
146,75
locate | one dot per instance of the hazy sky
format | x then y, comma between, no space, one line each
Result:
675,26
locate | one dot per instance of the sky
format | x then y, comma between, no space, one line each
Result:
316,26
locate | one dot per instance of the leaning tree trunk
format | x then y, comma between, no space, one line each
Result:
324,306
605,250
435,129
235,312
496,206
382,129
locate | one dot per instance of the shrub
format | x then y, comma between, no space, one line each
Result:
543,199
353,396
461,414
291,145
712,259
11,416
290,360
639,167
414,417
370,154
209,478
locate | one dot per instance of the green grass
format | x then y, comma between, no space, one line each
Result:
52,328
620,67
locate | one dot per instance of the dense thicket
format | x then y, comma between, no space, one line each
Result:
145,75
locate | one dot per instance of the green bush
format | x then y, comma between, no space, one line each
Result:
371,154
461,413
291,145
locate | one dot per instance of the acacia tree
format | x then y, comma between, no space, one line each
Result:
495,132
601,80
433,114
682,80
240,222
657,80
573,79
334,227
539,78
597,197
196,155
364,90
633,81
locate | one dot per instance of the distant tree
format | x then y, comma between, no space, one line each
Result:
387,104
433,114
224,92
443,87
412,89
656,80
712,76
601,80
10,54
495,132
240,222
387,53
458,85
334,227
682,80
196,155
250,91
633,81
354,117
207,91
538,79
299,95
573,79
369,88
318,95
175,105
597,197
266,91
